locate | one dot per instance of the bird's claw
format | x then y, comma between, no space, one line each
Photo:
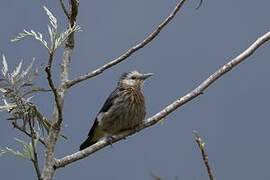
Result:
110,140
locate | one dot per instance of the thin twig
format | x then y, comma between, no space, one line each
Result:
41,140
35,158
36,90
199,5
155,177
130,51
64,8
56,94
171,107
45,123
201,146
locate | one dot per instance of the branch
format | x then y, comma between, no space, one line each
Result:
69,46
130,51
201,146
35,158
64,8
170,108
48,169
74,4
41,140
199,5
57,119
54,90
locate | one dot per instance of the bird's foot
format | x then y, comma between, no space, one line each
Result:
110,140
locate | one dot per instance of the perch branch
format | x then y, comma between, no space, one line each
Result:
170,108
129,52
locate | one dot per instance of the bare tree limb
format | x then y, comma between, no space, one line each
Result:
201,146
129,52
171,107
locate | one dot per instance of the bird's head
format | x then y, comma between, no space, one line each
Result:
133,79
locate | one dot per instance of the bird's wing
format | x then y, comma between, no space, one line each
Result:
95,132
107,105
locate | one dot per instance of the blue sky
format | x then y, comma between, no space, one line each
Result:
232,116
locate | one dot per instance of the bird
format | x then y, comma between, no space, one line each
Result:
123,110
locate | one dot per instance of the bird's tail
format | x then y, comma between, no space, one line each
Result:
88,142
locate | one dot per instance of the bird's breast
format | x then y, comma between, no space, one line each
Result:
128,111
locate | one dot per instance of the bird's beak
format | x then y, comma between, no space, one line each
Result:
145,76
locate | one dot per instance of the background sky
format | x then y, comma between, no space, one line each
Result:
232,116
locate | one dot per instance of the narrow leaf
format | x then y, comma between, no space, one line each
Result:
5,66
53,20
17,70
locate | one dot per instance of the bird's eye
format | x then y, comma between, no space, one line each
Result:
133,77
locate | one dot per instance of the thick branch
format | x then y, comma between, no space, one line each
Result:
171,107
201,146
129,52
69,46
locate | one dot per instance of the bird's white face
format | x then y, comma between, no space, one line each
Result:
134,78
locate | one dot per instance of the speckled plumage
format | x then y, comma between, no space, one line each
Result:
123,110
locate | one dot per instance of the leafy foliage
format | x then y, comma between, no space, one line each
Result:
37,35
56,37
27,151
17,88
